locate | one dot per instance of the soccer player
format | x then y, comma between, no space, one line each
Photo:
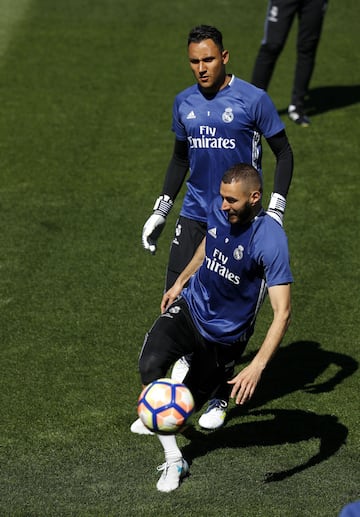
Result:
243,255
279,18
217,122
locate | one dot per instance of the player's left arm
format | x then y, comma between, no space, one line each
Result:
280,146
245,382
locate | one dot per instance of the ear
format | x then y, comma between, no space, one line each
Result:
255,197
225,56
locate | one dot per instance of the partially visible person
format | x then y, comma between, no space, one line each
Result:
217,122
279,18
244,253
351,510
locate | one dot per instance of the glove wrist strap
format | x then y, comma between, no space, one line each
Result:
277,204
163,205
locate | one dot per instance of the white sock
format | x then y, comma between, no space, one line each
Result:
171,450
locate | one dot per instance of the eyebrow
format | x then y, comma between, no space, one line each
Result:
197,60
229,199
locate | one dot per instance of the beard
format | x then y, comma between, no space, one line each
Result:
242,216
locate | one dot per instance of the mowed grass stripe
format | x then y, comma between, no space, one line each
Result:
11,15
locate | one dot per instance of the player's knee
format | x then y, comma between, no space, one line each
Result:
307,46
150,369
272,50
171,277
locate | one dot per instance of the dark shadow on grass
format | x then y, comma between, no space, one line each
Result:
272,427
296,367
328,98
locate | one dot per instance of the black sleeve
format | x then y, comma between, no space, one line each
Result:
279,144
177,169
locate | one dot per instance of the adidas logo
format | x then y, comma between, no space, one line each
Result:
191,115
212,232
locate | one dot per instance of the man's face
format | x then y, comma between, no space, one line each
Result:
208,65
238,203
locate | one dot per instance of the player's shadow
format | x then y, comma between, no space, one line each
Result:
273,427
296,367
328,98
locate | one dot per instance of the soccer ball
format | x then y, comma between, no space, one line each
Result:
165,405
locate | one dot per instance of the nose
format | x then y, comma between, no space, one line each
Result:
225,205
202,67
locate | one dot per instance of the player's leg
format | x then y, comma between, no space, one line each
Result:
187,238
170,337
202,378
175,468
214,416
174,334
311,16
278,21
167,340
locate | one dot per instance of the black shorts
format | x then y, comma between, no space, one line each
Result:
174,335
188,235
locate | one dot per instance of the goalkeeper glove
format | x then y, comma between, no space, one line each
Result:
276,207
156,222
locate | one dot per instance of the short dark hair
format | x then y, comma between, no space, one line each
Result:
246,173
202,32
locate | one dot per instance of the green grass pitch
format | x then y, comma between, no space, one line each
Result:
86,90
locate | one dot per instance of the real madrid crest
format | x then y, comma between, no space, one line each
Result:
238,252
228,115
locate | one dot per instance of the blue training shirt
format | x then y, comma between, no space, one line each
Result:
221,131
225,294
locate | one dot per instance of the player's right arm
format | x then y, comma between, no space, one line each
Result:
172,294
245,382
174,179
